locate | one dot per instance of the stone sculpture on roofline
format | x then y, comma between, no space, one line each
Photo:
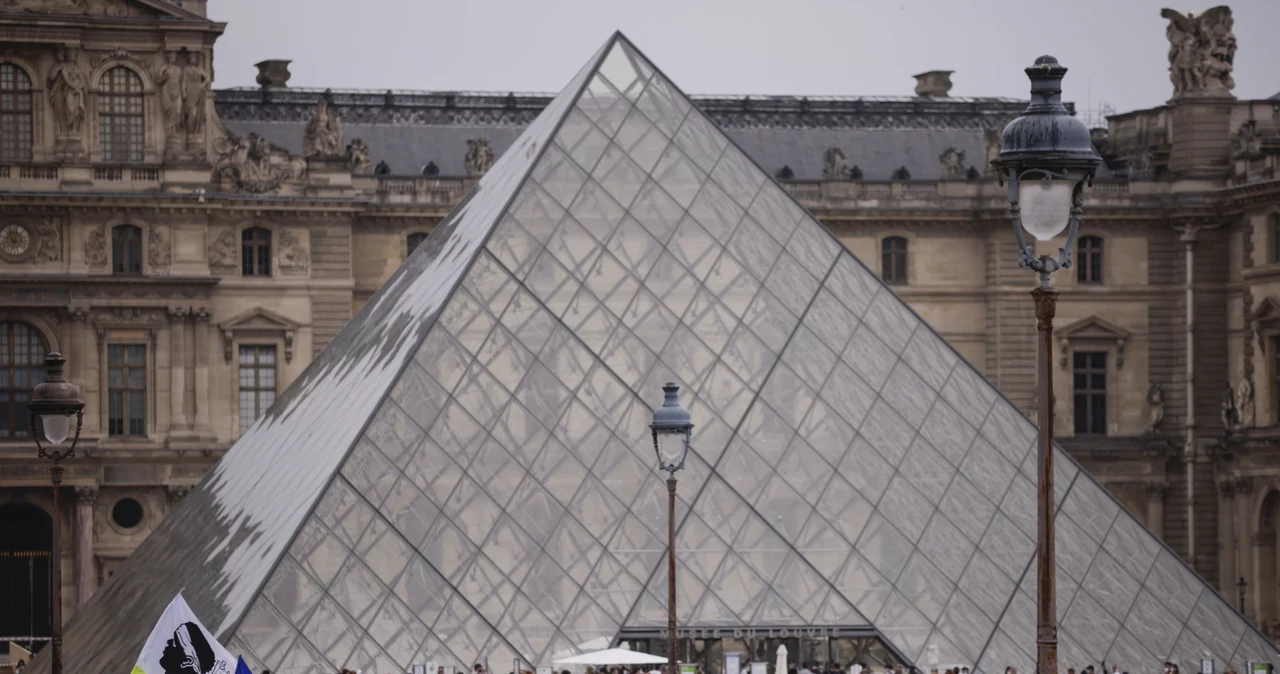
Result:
1202,51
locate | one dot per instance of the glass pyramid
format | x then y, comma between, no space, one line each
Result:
465,474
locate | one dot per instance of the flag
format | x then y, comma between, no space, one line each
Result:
180,644
242,668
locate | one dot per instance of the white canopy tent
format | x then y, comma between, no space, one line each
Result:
613,656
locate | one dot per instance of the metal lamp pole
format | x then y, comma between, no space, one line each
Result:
672,432
1047,158
54,401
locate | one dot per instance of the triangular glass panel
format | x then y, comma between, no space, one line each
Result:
478,485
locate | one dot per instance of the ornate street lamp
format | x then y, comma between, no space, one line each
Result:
672,431
1047,158
54,401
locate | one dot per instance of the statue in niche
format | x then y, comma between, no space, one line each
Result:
479,157
195,93
834,164
1155,398
1202,51
322,136
1244,404
169,82
66,93
1228,411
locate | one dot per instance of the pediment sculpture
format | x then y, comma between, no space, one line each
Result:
251,164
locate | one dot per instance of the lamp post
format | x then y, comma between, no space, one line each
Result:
1240,586
672,430
54,401
1047,158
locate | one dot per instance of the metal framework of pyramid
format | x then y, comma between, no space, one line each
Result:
465,474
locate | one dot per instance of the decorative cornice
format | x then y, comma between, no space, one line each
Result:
519,109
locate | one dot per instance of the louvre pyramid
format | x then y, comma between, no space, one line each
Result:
464,475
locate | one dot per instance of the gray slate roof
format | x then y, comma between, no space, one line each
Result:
409,129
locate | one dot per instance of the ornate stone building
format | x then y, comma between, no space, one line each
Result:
190,251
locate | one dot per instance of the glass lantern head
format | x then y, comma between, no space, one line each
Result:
55,401
1045,154
672,430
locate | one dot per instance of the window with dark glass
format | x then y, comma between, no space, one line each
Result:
893,260
255,251
1275,372
120,116
126,389
413,241
257,382
1273,222
22,352
15,113
126,249
1089,260
1090,383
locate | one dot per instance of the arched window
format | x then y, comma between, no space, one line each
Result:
255,251
413,241
126,250
1273,227
15,113
22,352
26,541
120,119
1089,260
893,260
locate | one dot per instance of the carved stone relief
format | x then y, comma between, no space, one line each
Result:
95,246
251,165
36,242
1247,143
479,157
293,254
158,253
224,250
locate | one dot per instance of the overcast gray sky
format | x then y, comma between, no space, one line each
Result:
1115,49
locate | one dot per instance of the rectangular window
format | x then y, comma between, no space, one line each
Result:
257,382
126,389
1275,373
1090,385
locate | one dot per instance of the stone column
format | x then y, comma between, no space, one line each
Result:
1155,508
1228,538
82,361
177,371
201,317
86,569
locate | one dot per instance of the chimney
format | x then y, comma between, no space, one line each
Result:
274,73
935,83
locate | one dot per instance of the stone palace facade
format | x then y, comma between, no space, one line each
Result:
190,251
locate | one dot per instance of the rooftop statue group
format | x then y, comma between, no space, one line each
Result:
1202,49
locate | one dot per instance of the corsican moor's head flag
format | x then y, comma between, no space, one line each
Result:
179,644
